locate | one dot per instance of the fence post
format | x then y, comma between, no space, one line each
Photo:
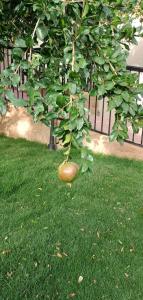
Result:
52,145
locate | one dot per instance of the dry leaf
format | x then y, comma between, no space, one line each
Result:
81,229
98,234
120,242
80,279
6,251
69,185
65,254
59,255
127,275
9,274
71,295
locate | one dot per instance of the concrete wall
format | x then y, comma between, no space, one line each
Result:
18,123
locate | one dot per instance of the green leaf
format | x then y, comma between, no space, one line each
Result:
125,96
20,43
42,32
106,68
132,111
72,88
3,108
17,52
38,108
16,102
24,64
15,79
99,60
123,83
7,72
125,107
140,122
109,85
82,63
101,90
113,136
115,102
67,139
61,100
85,10
93,92
51,116
80,123
84,167
90,158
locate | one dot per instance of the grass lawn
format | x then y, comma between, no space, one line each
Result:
58,243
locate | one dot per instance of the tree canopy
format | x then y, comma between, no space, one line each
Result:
62,46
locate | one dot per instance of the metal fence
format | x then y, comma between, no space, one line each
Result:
99,116
102,119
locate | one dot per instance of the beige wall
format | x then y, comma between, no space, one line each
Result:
18,124
136,55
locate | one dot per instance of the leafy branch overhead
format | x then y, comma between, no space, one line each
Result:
62,45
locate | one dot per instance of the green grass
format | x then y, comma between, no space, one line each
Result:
51,234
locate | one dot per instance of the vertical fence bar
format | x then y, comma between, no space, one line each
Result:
142,137
89,101
95,113
109,126
89,86
52,144
102,120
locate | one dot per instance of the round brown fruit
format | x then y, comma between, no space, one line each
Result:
67,171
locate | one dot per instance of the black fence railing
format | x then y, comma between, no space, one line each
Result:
100,117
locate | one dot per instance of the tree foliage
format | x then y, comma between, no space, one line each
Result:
61,46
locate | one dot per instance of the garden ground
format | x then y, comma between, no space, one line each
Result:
58,243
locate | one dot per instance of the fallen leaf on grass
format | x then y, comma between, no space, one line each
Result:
71,295
98,234
65,254
80,279
69,185
9,274
59,255
35,264
6,251
82,229
120,242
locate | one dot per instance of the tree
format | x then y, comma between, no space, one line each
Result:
61,45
